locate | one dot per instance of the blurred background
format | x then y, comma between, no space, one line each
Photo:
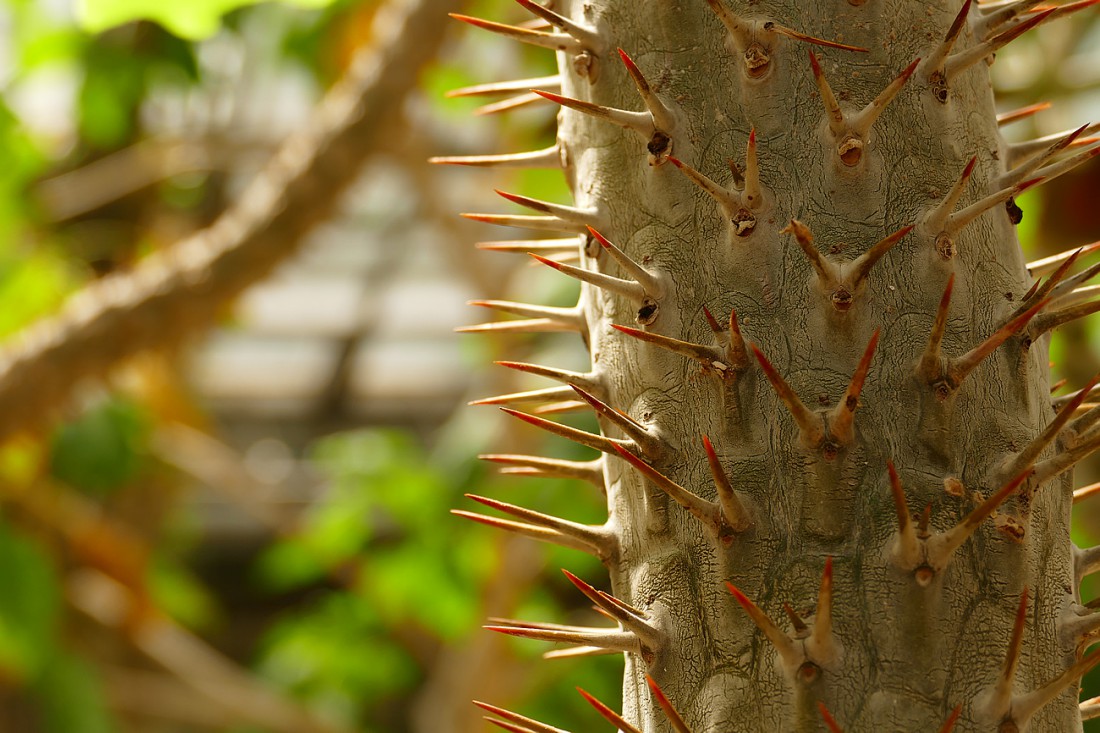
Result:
246,529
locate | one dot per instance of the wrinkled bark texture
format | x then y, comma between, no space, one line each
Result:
904,654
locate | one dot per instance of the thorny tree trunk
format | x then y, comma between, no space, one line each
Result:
952,586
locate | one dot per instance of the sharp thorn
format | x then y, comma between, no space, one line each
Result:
957,221
707,512
810,426
630,619
571,214
862,122
752,195
587,380
958,369
591,471
934,64
1027,457
837,124
1048,173
545,158
535,395
1007,118
740,31
936,221
555,41
597,442
842,417
862,265
828,273
631,289
531,325
523,246
736,515
1084,446
1000,699
1027,167
798,36
640,122
707,355
526,724
539,533
608,714
907,546
573,317
581,33
1020,151
661,115
610,639
508,105
594,537
1025,706
1049,321
729,201
1046,290
1086,492
830,722
1046,265
790,653
678,724
956,63
535,223
940,547
575,652
650,445
993,19
505,87
650,283
801,630
952,719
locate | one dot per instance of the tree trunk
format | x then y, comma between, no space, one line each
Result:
843,204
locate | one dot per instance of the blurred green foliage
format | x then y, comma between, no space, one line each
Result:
194,19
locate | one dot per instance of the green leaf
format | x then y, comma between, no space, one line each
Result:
193,19
103,450
28,607
70,700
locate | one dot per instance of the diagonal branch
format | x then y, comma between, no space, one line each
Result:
181,290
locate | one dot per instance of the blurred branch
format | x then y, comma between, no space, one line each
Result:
180,290
208,673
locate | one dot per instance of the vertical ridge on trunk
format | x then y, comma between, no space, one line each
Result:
862,617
